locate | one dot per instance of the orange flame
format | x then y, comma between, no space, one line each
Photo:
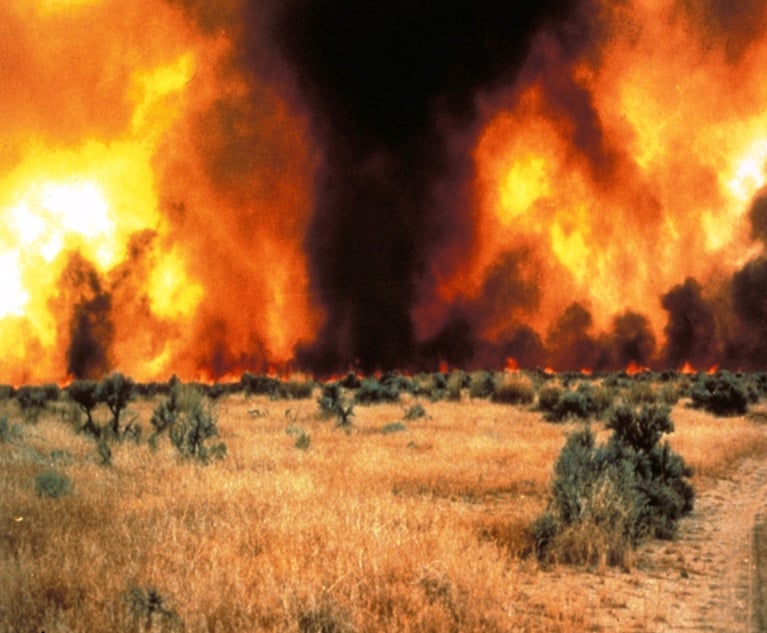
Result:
616,166
98,115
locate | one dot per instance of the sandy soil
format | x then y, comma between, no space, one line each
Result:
703,581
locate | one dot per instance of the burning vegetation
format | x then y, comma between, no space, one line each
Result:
209,188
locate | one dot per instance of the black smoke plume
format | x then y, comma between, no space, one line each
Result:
90,327
691,327
382,81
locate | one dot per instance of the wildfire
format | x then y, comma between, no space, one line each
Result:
201,189
92,179
618,167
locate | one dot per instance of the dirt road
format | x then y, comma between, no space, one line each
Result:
703,581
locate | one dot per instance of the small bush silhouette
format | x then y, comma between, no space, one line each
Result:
116,390
333,404
720,394
52,484
148,608
86,394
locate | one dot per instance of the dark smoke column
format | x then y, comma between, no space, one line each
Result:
381,81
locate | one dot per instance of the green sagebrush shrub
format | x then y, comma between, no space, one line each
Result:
720,394
606,499
52,484
584,402
190,422
373,391
513,390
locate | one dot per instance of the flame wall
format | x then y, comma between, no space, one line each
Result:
203,188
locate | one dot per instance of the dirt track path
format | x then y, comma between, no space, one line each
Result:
707,574
700,582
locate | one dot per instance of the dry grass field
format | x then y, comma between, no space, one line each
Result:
425,529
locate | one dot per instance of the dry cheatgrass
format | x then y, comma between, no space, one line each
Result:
424,529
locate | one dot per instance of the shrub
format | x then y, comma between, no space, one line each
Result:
373,391
640,392
85,393
303,440
548,397
393,427
720,394
52,484
148,607
190,422
261,385
116,391
482,384
333,404
9,432
455,383
33,400
579,403
6,392
415,412
513,390
605,499
668,394
299,389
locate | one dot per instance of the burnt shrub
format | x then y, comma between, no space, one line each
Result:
606,499
721,394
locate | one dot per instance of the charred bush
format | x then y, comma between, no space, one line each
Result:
721,394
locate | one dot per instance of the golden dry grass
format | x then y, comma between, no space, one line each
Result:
422,530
